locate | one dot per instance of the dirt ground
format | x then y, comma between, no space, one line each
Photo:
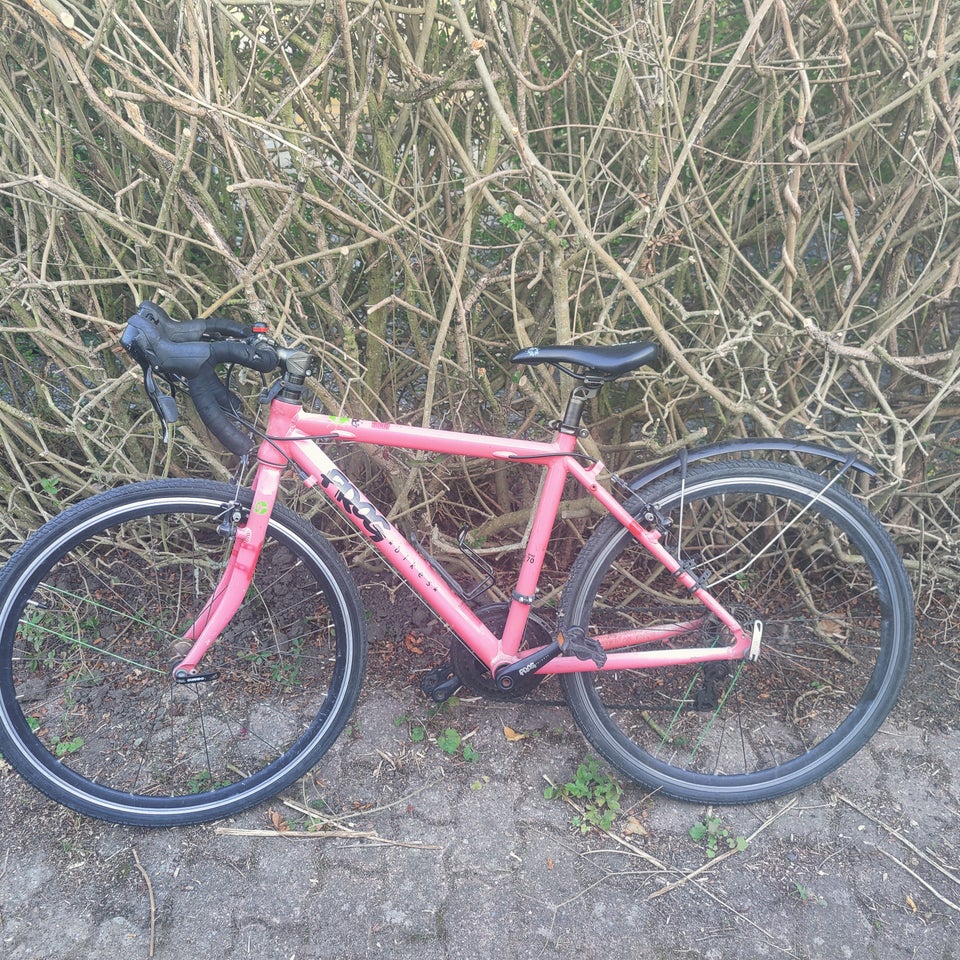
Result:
410,841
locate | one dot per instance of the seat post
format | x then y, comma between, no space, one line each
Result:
588,389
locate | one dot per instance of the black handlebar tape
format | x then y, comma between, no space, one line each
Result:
223,327
213,402
196,361
187,331
186,359
261,357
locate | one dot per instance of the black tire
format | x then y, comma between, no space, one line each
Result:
779,545
90,610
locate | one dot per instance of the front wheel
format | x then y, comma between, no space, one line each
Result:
774,543
92,609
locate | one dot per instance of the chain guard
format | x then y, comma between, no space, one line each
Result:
476,675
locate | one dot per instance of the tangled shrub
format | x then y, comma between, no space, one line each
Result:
769,191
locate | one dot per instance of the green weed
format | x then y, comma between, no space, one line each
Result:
453,743
63,748
594,794
715,836
448,738
51,487
806,895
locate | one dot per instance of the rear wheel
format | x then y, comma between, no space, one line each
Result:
93,609
775,543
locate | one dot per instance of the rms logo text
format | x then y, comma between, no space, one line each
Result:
352,503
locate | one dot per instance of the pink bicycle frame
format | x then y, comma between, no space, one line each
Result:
292,431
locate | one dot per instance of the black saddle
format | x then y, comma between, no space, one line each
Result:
603,363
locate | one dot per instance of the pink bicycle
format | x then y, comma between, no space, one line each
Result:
174,651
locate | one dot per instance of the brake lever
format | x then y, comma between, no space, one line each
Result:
165,404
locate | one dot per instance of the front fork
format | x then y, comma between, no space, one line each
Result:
230,591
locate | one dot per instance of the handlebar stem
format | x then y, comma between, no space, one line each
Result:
297,366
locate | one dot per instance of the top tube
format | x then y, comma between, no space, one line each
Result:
290,423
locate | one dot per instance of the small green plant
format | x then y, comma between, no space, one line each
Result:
38,653
594,793
415,730
806,895
199,782
63,748
202,781
452,743
284,666
715,836
51,487
418,733
512,222
448,739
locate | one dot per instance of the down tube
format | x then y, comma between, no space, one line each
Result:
396,550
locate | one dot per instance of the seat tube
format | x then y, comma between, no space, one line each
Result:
535,550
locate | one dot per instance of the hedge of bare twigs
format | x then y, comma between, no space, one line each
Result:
769,189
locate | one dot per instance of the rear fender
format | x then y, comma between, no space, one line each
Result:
728,448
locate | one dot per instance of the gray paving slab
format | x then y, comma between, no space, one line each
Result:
473,861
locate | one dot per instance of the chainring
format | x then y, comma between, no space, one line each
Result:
476,676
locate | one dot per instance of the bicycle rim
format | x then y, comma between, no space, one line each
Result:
96,605
775,544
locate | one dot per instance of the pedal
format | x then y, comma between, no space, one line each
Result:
574,642
182,677
440,683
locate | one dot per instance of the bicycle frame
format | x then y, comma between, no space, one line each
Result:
291,432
